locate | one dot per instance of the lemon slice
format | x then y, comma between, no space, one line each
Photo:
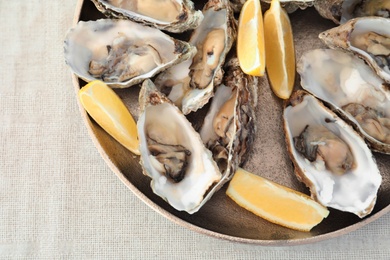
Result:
279,49
108,110
274,202
250,39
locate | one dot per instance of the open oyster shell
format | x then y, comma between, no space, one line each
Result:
182,169
352,88
331,158
170,15
229,127
340,11
190,84
367,37
121,52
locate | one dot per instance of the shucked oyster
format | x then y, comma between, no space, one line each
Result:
330,157
182,169
321,146
121,52
190,84
350,86
229,127
367,37
340,11
170,15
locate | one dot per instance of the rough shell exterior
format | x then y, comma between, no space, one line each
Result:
289,5
340,11
232,152
330,9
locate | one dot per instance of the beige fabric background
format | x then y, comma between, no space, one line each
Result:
59,200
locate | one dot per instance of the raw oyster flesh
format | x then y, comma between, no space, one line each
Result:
330,157
318,144
352,88
190,84
367,37
170,15
121,52
229,126
182,169
340,11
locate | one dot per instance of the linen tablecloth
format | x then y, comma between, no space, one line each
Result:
59,199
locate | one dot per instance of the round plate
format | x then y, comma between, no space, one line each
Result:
221,217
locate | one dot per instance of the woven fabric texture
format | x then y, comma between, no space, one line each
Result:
59,199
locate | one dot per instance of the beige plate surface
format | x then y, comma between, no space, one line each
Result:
221,217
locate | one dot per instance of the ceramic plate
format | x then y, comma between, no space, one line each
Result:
221,217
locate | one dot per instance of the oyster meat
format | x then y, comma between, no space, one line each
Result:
330,157
190,84
340,11
229,126
170,15
121,52
328,151
182,169
367,37
353,89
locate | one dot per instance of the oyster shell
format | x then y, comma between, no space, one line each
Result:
121,52
289,5
172,153
353,89
190,84
237,5
229,127
367,37
330,157
170,15
340,11
293,5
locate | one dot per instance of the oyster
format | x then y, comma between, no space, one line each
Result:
330,157
121,52
170,15
229,126
190,84
367,37
182,169
352,89
340,11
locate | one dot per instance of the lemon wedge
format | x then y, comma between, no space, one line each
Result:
275,203
250,39
279,49
109,111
